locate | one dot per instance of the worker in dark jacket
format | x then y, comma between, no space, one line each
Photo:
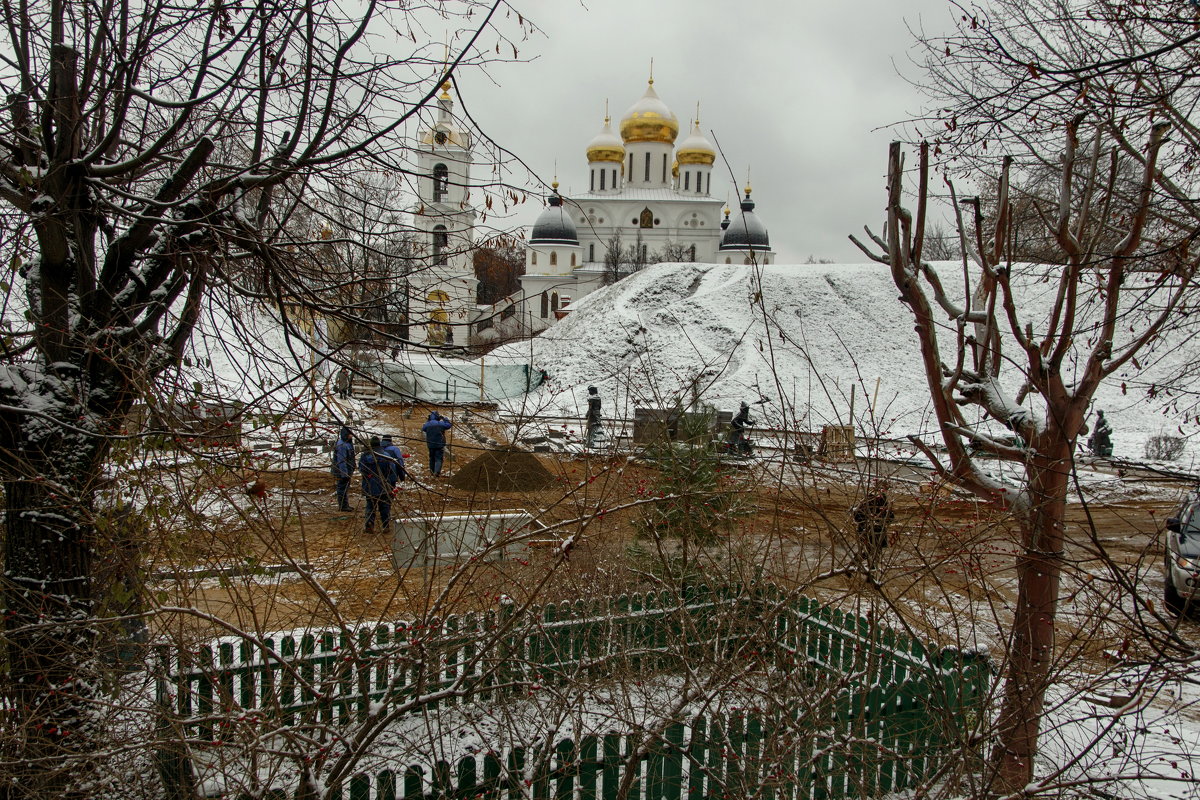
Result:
1101,440
872,517
594,428
736,440
435,439
343,467
397,456
378,477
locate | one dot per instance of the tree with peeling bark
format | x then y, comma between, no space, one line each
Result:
154,153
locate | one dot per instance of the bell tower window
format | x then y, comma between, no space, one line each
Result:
441,241
647,178
441,182
593,186
664,179
602,174
687,180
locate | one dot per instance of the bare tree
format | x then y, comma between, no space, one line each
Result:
673,251
614,259
1062,360
499,262
152,154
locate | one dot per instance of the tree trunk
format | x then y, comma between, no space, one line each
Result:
50,635
1039,570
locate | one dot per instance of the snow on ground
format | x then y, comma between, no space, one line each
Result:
821,337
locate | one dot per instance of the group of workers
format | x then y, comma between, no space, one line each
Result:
382,468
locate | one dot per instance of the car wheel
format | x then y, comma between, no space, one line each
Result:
1171,598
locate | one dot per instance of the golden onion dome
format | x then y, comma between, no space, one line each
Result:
606,146
649,120
696,149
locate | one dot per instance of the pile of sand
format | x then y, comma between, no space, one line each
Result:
504,470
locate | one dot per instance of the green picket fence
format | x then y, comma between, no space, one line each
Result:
738,756
333,675
900,703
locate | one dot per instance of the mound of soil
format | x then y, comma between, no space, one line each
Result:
504,470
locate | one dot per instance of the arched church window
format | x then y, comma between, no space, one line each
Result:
441,241
545,305
592,251
664,180
647,167
554,258
554,302
441,181
647,219
630,166
593,186
533,258
572,259
687,179
728,260
614,180
766,261
602,173
692,253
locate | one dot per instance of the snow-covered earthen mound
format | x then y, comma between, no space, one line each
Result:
811,340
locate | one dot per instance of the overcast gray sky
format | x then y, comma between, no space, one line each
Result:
796,91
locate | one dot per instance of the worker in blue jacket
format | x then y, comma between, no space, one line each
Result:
343,467
393,452
378,477
435,439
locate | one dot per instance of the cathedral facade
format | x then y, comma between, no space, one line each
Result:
648,200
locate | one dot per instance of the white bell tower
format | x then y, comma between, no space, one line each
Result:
442,285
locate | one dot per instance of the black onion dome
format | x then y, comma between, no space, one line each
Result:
554,226
745,231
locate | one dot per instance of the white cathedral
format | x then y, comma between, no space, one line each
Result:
644,193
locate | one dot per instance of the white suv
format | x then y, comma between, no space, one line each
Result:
1181,574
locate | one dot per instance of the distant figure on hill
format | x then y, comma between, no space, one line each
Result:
397,456
593,416
1100,442
343,467
378,477
435,439
872,516
737,429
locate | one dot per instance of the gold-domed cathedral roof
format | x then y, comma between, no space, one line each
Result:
606,146
649,120
696,149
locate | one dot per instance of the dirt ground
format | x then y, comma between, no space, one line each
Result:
289,559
